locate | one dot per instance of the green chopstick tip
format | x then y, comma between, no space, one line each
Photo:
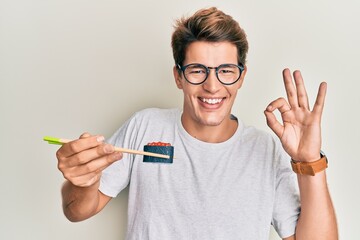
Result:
48,138
52,140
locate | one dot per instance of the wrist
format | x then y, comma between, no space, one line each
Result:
309,157
310,167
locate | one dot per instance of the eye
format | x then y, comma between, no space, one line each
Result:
194,70
228,69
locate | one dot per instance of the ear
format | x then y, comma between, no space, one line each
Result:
242,77
177,77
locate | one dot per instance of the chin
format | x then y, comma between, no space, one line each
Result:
211,122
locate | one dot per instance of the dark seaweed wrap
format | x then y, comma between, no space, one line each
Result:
166,150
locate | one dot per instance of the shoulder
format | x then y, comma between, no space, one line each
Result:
156,114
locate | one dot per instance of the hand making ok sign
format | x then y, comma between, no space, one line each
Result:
300,131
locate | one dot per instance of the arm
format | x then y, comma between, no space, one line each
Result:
80,203
81,163
300,135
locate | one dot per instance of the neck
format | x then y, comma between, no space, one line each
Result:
211,134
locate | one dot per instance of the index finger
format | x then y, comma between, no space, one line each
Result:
79,145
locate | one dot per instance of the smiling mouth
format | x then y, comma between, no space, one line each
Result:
211,101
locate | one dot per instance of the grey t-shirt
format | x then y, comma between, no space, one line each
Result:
230,190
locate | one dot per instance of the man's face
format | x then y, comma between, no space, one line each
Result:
210,103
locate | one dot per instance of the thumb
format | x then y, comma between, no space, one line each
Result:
273,123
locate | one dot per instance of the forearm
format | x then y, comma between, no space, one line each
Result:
79,203
317,218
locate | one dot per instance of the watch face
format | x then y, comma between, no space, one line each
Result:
322,154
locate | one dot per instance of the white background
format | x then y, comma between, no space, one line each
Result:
67,67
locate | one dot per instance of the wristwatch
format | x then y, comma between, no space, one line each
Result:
310,168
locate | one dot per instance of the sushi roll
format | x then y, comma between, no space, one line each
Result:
161,148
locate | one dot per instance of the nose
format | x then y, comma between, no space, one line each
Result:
212,84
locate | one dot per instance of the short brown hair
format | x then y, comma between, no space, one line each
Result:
211,25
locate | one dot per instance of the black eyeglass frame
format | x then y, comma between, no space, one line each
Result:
183,68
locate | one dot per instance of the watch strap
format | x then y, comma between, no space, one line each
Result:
309,168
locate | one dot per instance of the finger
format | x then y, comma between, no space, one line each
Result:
320,99
290,88
86,180
97,165
76,146
273,123
283,107
85,135
302,96
279,104
88,155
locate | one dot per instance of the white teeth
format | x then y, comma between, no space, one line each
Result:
211,100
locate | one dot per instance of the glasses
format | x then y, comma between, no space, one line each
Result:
196,73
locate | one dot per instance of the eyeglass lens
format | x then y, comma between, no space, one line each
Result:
197,73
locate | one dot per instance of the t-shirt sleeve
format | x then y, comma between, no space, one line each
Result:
287,202
117,176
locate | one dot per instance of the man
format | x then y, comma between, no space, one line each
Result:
228,181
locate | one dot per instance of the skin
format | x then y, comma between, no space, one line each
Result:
209,122
299,130
300,135
81,162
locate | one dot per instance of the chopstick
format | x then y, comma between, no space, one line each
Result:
61,141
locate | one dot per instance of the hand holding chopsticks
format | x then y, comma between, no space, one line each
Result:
82,161
61,141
